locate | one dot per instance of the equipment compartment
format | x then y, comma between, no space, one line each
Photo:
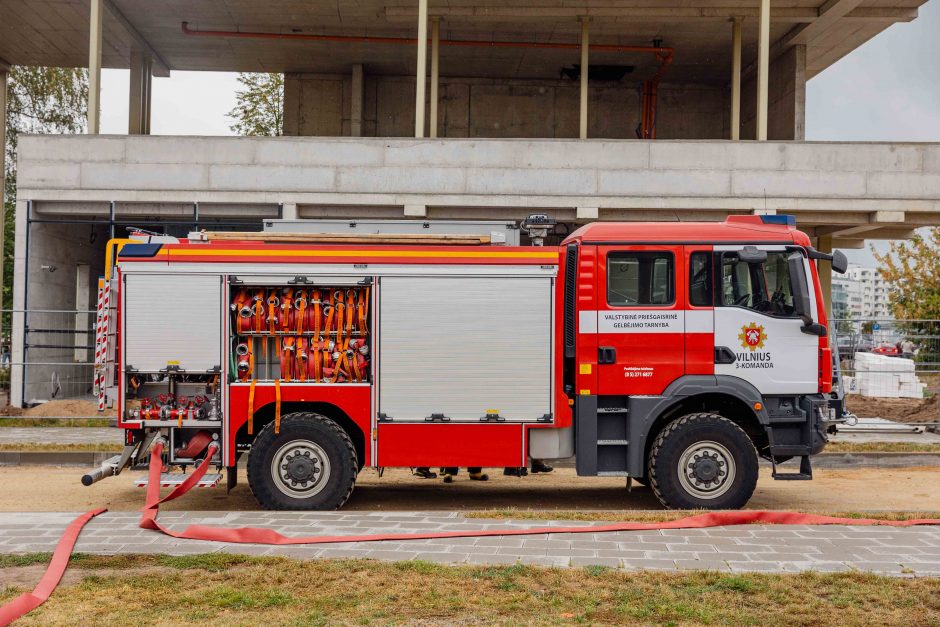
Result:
303,334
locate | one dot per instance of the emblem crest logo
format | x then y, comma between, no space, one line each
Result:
752,336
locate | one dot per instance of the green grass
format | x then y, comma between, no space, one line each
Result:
27,447
6,421
223,590
653,516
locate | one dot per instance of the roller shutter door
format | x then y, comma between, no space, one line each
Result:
172,319
463,346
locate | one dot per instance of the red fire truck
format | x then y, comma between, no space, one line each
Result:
672,354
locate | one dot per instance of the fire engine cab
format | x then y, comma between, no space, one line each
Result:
671,354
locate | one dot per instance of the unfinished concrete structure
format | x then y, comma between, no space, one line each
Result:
690,110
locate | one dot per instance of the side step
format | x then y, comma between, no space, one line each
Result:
173,479
805,474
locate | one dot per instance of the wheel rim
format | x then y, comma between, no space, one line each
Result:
300,469
706,469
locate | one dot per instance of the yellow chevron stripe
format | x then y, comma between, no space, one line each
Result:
199,251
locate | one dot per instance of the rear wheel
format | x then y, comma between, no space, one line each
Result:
310,464
702,461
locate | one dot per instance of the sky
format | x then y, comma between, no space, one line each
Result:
886,90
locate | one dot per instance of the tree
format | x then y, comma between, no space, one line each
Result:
39,100
259,108
911,270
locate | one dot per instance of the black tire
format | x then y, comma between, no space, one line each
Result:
724,474
315,459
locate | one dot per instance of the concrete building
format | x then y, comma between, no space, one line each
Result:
460,109
865,294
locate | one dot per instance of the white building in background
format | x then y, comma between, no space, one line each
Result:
864,292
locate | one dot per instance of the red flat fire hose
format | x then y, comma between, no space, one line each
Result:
255,535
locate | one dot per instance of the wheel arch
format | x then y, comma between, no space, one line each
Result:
731,397
264,415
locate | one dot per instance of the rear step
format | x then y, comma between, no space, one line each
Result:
173,479
805,474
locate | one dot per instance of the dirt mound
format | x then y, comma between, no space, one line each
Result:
67,408
908,410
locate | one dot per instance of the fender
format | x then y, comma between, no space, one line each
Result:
645,410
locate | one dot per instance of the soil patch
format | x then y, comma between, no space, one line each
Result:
68,408
51,489
906,410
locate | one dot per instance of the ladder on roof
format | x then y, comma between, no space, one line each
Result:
104,345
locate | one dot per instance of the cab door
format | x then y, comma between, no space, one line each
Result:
640,318
755,320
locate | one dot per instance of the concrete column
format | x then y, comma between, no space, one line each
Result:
356,101
94,67
763,69
19,303
585,66
289,211
147,100
736,78
422,71
4,75
435,70
139,96
824,245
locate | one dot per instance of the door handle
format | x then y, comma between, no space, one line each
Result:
606,355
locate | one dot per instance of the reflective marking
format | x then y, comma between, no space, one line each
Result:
699,321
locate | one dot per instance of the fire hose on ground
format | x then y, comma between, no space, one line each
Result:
29,601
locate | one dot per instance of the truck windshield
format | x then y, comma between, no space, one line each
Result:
763,287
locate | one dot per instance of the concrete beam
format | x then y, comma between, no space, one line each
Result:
651,12
876,221
859,16
4,65
854,244
897,232
160,66
829,14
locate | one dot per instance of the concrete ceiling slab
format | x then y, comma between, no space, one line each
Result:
54,32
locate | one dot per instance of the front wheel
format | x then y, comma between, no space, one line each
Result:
310,464
702,461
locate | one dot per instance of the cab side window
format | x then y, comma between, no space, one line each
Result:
700,280
636,279
762,287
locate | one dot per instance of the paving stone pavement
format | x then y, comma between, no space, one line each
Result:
912,551
60,435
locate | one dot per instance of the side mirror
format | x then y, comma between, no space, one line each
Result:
839,262
752,254
799,287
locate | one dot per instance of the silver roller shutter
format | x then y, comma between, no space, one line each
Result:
461,346
172,318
